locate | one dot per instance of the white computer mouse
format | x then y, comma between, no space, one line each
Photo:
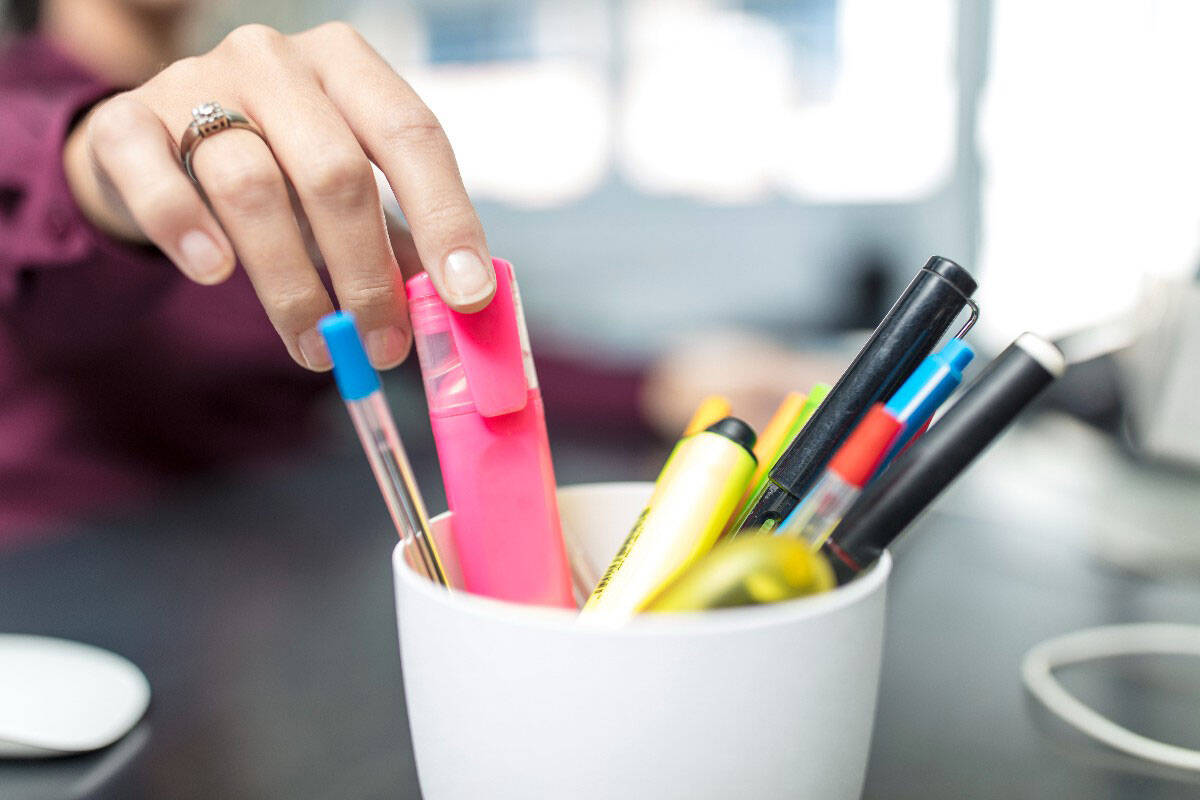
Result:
59,697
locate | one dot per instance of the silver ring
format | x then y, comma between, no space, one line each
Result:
207,119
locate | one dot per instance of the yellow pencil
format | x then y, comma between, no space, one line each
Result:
712,409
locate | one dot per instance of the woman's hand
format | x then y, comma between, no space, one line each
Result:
328,106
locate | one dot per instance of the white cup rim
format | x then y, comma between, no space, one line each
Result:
715,621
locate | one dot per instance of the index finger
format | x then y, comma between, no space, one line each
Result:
400,134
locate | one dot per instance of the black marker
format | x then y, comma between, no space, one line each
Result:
906,335
885,508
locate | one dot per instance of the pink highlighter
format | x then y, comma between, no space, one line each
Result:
490,429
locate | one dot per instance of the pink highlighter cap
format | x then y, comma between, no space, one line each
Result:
488,343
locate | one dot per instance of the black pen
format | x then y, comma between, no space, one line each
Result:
909,332
885,508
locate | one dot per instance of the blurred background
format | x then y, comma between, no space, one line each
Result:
711,187
810,153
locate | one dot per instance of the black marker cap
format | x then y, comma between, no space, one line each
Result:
737,431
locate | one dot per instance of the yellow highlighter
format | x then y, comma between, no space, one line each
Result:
754,568
697,492
765,461
713,408
710,410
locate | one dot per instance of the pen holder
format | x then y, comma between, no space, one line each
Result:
511,702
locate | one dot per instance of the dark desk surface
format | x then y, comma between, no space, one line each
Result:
260,607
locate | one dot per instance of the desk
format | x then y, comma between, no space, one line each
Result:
260,607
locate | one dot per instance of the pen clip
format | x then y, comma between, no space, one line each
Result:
971,320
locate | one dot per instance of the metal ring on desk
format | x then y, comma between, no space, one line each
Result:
1106,642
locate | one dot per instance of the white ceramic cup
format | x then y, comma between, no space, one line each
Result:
510,702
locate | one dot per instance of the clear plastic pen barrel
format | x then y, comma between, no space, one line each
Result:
848,471
377,432
815,518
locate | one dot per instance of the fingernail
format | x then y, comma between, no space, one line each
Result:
203,259
314,351
386,347
467,279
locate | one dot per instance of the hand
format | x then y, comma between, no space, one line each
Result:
752,370
328,107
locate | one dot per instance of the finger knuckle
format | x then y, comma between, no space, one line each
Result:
370,295
109,123
344,178
245,188
294,309
451,214
413,126
339,31
254,39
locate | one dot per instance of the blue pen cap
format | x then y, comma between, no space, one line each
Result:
355,376
931,383
919,398
957,354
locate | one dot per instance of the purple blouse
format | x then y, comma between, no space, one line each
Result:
116,372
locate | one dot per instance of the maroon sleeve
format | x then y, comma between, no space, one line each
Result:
41,226
596,396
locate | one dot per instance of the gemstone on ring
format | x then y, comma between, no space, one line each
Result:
210,118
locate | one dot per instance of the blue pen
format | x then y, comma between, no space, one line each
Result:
919,397
360,387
